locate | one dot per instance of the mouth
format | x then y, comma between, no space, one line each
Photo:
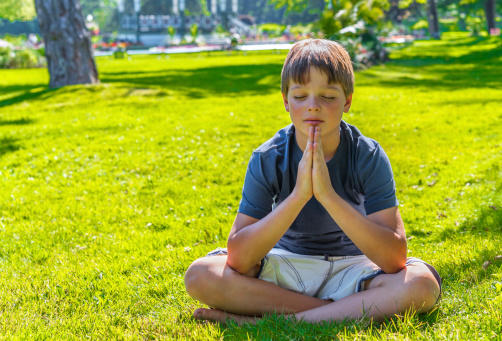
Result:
312,121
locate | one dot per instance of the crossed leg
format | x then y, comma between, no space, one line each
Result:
243,298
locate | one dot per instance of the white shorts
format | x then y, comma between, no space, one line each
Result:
324,277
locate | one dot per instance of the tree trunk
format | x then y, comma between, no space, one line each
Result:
490,14
432,16
68,46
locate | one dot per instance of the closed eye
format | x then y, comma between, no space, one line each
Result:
329,98
299,97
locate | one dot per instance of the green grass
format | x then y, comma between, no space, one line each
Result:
109,192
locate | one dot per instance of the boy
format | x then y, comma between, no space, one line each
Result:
318,233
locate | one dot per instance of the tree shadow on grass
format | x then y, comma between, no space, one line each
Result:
489,225
42,92
8,145
28,93
481,57
231,80
21,121
481,68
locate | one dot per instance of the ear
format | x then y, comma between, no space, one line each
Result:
348,103
286,103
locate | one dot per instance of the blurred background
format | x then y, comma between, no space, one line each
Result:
368,29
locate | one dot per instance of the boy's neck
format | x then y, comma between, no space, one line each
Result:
329,143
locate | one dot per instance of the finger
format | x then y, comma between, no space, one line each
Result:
319,139
311,144
316,143
316,148
311,136
319,150
309,141
310,155
305,152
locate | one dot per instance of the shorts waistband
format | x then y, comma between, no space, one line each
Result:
325,257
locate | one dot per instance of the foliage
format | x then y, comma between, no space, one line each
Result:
262,11
16,40
346,12
17,9
420,24
205,7
194,29
271,29
220,29
266,11
453,15
354,23
21,58
475,24
300,29
277,30
291,5
171,31
407,3
109,192
103,12
449,25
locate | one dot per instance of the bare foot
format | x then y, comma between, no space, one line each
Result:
217,315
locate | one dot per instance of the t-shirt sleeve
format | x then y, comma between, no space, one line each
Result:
376,179
257,192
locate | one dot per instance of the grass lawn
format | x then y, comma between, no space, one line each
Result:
109,192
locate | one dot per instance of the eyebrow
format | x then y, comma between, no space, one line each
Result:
331,87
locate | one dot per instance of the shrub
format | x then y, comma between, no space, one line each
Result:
271,29
449,25
420,25
24,59
301,29
21,58
6,55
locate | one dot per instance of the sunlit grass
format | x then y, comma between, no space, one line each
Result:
109,192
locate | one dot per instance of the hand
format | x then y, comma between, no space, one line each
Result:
303,187
321,182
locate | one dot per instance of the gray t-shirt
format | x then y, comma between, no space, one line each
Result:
360,173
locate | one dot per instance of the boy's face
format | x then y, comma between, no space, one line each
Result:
316,103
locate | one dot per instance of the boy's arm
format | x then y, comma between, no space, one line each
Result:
251,239
380,236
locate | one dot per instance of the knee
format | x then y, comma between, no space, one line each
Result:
205,282
420,292
195,279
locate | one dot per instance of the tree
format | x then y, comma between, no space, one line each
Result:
490,14
474,9
353,23
470,13
68,47
432,17
335,15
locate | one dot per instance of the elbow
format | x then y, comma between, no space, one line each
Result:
237,261
394,267
396,264
237,264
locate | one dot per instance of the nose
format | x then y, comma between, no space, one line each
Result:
313,106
